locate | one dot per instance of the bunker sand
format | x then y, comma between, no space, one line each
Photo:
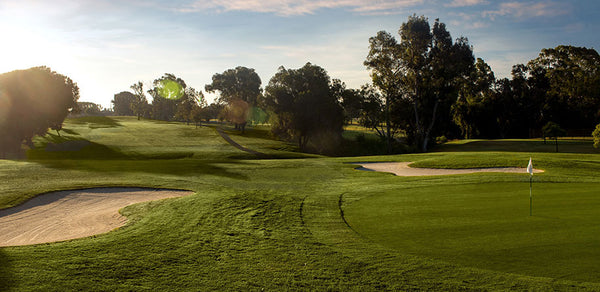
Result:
65,215
403,169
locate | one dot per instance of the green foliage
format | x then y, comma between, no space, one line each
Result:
373,115
425,69
305,107
240,90
31,101
209,112
471,111
596,136
572,75
441,140
139,106
239,83
189,106
553,130
385,62
167,93
87,109
123,103
350,100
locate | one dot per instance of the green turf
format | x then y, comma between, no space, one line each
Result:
565,145
487,225
272,224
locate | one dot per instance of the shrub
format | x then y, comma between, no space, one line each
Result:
596,135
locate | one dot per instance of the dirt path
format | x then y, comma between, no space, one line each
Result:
238,146
403,169
73,214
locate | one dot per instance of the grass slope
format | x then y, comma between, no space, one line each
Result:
252,224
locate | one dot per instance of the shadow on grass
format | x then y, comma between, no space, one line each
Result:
167,167
81,154
68,147
564,146
5,273
96,122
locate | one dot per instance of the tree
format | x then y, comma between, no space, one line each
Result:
239,88
433,80
553,130
124,102
166,94
139,106
31,101
350,100
422,71
88,108
472,111
572,88
596,136
384,60
189,105
372,114
210,112
305,108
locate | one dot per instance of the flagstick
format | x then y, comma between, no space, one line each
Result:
530,197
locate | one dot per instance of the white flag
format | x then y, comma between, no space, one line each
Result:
530,167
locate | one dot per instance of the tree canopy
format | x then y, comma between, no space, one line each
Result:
239,83
240,90
305,107
166,94
31,102
425,85
123,103
423,71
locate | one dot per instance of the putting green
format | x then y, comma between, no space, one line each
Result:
488,226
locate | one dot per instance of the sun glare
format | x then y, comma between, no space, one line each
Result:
25,46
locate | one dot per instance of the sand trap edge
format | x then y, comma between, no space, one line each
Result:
74,213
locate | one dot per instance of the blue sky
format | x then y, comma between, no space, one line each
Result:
105,46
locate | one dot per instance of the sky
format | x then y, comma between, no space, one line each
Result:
108,45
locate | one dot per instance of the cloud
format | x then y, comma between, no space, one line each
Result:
464,3
520,10
293,7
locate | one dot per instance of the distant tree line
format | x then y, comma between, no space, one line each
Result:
425,85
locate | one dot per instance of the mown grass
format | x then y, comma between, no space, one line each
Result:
565,145
253,224
487,225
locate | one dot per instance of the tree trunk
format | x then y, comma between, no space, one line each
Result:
388,125
428,131
418,127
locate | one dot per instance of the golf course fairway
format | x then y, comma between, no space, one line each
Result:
287,220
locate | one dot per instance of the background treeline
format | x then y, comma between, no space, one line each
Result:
426,87
562,86
432,87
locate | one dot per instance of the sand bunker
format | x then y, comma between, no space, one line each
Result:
402,169
73,214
